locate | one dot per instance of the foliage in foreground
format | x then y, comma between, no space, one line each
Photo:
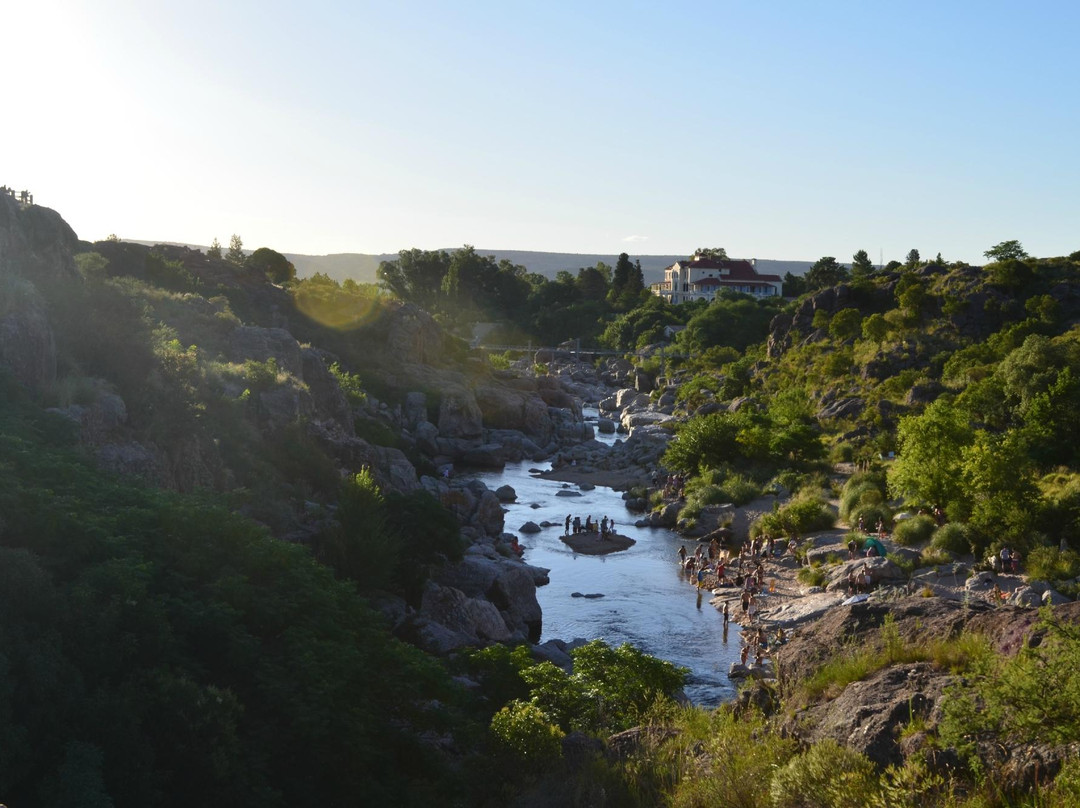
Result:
168,652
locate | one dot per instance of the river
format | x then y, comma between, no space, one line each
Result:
646,601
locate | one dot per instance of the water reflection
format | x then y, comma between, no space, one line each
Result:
646,601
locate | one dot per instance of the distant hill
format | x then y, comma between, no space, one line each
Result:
361,267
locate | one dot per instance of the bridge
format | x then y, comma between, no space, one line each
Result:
578,350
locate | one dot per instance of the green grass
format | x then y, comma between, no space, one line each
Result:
858,660
813,575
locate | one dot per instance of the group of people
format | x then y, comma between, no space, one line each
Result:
879,529
758,644
674,486
860,581
1007,561
605,527
711,564
25,197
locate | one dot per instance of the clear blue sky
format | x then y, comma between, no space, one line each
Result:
777,130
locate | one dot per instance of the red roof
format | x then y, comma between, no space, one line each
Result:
737,270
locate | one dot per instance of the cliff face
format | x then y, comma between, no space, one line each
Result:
36,249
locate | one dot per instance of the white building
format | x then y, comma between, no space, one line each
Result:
700,278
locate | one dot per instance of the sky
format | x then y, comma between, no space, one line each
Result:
784,130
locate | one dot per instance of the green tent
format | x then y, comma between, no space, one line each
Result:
872,541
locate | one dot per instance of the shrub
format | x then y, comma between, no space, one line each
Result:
842,453
916,530
707,441
933,557
1052,564
827,775
523,731
805,514
499,361
952,537
861,489
742,757
870,516
811,576
261,376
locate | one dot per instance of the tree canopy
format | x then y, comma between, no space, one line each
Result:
271,263
1006,250
825,272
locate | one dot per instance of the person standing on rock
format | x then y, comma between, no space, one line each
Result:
682,554
567,524
577,524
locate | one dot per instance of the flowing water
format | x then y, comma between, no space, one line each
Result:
646,601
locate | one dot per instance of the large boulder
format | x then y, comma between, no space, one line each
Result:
504,407
881,570
459,415
475,618
508,584
412,336
489,516
260,344
868,715
36,243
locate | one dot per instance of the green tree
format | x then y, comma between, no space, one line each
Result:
825,272
272,264
591,284
1006,251
416,276
794,285
929,465
626,284
846,324
861,266
215,249
716,253
236,251
999,486
875,328
912,259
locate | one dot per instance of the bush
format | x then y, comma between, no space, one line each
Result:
717,488
934,557
827,775
523,731
916,530
952,537
1052,564
861,489
708,441
801,515
842,453
811,576
870,516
